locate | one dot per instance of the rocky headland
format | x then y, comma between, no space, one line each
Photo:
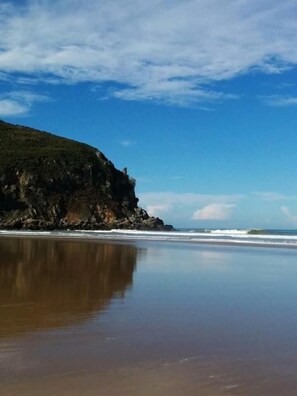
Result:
48,182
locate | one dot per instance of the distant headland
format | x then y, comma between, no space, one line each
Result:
48,182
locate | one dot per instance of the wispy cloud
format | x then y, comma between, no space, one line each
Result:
270,196
286,211
182,93
18,102
182,207
10,107
174,198
158,210
160,51
127,142
280,100
213,211
185,208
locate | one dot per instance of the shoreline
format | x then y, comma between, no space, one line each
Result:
122,238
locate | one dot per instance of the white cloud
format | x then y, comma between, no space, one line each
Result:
178,208
127,142
174,198
157,210
10,107
158,50
270,196
18,102
280,100
286,211
184,208
215,211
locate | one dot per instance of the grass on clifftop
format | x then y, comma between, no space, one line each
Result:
25,148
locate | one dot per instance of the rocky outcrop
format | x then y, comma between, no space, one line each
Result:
49,182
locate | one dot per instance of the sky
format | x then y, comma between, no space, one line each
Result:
197,98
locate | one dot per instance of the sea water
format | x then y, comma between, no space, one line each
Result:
262,237
146,316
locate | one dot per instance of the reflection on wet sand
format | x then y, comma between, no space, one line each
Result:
49,283
211,321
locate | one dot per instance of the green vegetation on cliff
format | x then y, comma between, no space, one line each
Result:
27,148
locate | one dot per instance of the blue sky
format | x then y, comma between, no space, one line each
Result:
197,98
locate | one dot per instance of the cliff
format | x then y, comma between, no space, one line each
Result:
50,182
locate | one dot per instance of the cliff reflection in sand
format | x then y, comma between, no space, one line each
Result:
51,283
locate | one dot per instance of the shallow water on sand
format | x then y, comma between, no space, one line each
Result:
146,318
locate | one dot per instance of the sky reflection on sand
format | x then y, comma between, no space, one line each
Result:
146,316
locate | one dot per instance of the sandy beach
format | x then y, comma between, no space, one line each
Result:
145,318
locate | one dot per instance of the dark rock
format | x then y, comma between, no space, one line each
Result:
48,182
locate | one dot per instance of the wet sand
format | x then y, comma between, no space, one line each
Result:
90,318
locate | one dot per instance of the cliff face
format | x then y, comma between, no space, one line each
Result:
49,182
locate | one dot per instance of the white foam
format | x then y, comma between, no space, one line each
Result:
229,232
230,237
19,232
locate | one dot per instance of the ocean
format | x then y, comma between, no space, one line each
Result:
260,237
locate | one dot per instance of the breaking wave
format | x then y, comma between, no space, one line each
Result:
273,238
